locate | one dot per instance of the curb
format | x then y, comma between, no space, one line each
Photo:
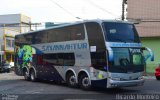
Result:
149,77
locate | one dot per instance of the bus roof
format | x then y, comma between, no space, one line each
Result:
78,22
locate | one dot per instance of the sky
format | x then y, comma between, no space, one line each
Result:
63,10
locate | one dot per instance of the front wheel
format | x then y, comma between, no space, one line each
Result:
84,82
26,75
33,76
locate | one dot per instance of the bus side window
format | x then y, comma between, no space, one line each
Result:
95,36
98,59
60,59
65,59
52,36
77,32
69,59
40,37
28,39
96,39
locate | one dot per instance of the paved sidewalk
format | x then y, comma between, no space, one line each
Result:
149,77
9,76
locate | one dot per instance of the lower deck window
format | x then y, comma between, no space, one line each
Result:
61,59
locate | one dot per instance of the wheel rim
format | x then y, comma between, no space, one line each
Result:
26,75
32,76
72,80
85,82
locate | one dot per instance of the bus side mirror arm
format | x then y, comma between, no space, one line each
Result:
110,53
151,54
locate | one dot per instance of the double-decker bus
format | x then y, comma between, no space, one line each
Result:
100,53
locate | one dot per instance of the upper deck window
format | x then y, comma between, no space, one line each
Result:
95,35
120,32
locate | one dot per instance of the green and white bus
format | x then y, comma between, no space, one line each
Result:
102,53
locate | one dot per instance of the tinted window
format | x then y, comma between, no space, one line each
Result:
127,60
53,35
61,59
68,33
99,60
75,32
96,39
28,39
21,39
40,37
95,36
115,32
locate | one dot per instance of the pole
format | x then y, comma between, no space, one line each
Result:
123,1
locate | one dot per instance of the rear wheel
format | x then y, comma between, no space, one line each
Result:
26,75
158,77
33,76
71,80
84,82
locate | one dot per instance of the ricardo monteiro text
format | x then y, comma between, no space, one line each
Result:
137,97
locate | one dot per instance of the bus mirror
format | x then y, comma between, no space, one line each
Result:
150,55
110,53
143,48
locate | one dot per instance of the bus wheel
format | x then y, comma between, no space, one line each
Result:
33,76
71,80
84,82
26,75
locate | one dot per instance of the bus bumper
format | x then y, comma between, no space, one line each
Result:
114,83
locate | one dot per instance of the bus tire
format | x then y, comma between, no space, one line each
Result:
26,75
33,76
71,80
84,82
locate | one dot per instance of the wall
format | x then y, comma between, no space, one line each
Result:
154,44
147,13
143,9
16,21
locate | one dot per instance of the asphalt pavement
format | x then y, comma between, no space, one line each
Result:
13,87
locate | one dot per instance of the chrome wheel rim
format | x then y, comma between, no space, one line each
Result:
32,76
26,75
72,80
85,82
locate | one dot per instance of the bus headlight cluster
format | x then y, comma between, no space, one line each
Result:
141,77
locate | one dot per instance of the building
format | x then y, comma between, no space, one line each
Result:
10,25
147,14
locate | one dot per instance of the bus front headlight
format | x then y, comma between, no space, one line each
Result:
141,77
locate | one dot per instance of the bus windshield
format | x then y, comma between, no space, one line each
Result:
120,32
127,60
